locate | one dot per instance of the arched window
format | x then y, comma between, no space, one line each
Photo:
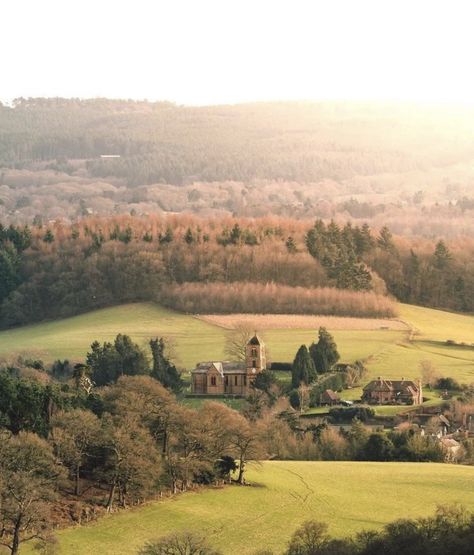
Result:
254,352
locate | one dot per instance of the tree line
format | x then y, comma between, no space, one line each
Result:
201,265
449,530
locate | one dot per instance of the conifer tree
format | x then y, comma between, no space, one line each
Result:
324,353
303,370
163,370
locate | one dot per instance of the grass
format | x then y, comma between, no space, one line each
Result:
193,340
388,353
349,496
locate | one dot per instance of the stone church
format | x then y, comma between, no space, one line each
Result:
230,378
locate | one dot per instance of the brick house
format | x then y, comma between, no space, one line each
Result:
393,392
230,378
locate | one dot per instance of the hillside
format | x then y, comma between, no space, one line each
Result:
349,496
411,168
388,352
191,338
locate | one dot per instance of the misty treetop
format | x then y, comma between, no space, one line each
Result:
163,142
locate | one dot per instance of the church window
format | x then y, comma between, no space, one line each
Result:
254,352
235,380
254,364
213,380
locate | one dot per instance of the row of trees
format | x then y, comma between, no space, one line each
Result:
274,298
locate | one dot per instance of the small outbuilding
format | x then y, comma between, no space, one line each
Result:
329,397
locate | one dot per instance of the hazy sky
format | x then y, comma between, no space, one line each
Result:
221,51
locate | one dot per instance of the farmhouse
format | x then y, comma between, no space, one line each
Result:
230,378
393,392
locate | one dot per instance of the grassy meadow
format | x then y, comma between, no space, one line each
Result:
432,328
385,347
192,339
349,496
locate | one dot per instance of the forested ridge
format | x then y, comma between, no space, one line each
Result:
226,265
403,165
295,141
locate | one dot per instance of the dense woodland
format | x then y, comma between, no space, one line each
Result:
203,266
411,168
290,141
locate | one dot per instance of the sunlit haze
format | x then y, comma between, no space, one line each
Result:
223,51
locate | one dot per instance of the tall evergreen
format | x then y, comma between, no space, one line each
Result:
303,370
163,370
324,353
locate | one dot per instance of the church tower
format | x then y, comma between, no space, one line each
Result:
255,357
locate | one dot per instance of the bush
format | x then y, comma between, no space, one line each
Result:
178,544
348,414
448,383
281,366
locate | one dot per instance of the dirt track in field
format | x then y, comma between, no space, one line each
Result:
300,321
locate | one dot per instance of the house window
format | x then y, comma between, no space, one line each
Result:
245,380
226,380
235,380
213,380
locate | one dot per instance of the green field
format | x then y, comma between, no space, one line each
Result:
349,496
433,329
193,340
388,353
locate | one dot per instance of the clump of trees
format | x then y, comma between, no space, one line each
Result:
319,359
107,362
450,530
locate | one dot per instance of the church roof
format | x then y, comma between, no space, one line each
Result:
221,367
254,340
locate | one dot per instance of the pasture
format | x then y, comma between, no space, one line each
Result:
383,344
349,496
192,339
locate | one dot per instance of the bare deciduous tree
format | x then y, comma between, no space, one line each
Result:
237,339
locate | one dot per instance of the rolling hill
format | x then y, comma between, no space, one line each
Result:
388,352
349,496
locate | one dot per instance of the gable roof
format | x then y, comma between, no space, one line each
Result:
400,387
221,367
329,393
